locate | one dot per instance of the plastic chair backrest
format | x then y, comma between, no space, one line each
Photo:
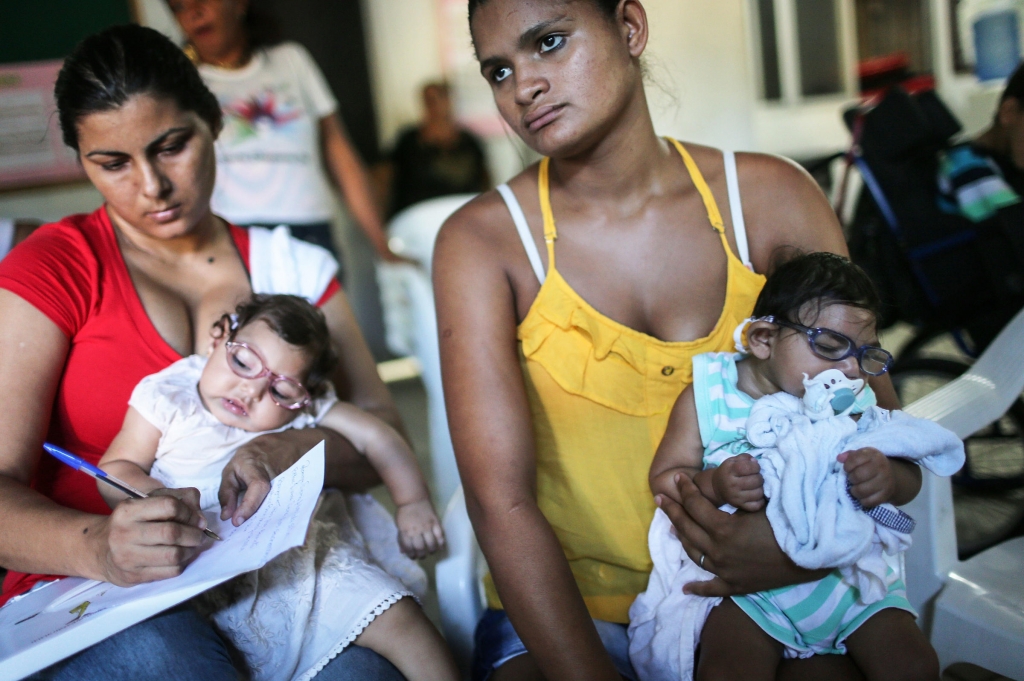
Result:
411,322
414,230
457,577
965,406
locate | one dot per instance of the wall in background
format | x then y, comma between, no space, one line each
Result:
701,82
700,52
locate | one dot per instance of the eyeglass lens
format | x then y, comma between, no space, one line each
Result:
247,364
831,345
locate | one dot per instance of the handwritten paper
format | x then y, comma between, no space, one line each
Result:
64,617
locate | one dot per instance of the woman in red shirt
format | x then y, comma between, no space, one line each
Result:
92,304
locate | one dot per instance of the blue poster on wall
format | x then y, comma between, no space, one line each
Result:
996,44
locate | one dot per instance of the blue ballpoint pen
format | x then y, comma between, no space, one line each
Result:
77,463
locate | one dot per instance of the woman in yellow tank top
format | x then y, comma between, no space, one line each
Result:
559,379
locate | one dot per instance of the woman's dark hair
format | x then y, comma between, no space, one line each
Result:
822,279
606,6
108,68
1015,85
296,322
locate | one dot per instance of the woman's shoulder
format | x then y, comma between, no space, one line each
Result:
73,247
751,167
484,226
784,208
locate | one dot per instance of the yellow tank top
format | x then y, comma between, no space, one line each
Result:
600,394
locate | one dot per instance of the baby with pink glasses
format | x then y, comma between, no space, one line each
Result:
267,370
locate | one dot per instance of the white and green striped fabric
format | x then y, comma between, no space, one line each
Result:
808,619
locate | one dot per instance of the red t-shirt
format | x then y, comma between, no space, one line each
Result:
73,272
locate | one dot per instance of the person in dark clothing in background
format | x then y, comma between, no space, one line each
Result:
984,177
1004,139
436,157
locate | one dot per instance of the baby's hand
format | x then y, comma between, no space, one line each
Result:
870,474
738,482
419,530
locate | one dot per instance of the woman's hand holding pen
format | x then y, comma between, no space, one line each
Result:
144,540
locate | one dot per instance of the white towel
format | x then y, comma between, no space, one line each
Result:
665,623
814,519
280,263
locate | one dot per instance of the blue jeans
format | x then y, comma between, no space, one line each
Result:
495,642
180,644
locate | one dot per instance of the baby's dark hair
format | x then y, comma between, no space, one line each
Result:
822,279
296,322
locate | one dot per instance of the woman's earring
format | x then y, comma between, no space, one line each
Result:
190,51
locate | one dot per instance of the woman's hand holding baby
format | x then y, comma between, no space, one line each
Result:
419,530
738,482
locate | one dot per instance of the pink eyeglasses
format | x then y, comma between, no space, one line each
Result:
245,362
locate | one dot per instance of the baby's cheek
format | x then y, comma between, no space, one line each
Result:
272,417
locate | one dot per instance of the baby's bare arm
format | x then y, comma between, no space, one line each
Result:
130,457
386,450
419,529
681,451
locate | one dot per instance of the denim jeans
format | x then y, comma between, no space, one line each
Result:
176,644
180,644
496,642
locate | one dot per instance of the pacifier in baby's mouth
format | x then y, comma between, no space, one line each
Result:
831,393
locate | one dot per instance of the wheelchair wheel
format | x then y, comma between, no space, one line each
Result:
988,493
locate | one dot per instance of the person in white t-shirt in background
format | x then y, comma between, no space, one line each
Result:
281,127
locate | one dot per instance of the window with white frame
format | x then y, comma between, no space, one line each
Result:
801,48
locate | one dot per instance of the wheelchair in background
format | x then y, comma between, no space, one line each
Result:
954,281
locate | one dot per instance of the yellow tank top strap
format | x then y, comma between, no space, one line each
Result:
544,187
714,215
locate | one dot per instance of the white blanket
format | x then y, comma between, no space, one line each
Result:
813,517
280,263
664,623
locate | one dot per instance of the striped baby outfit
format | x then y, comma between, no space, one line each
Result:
808,619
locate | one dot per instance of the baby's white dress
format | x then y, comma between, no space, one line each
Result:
291,617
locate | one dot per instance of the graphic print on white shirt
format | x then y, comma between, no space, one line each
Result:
269,167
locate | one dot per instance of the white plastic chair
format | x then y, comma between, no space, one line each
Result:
973,609
410,320
458,575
